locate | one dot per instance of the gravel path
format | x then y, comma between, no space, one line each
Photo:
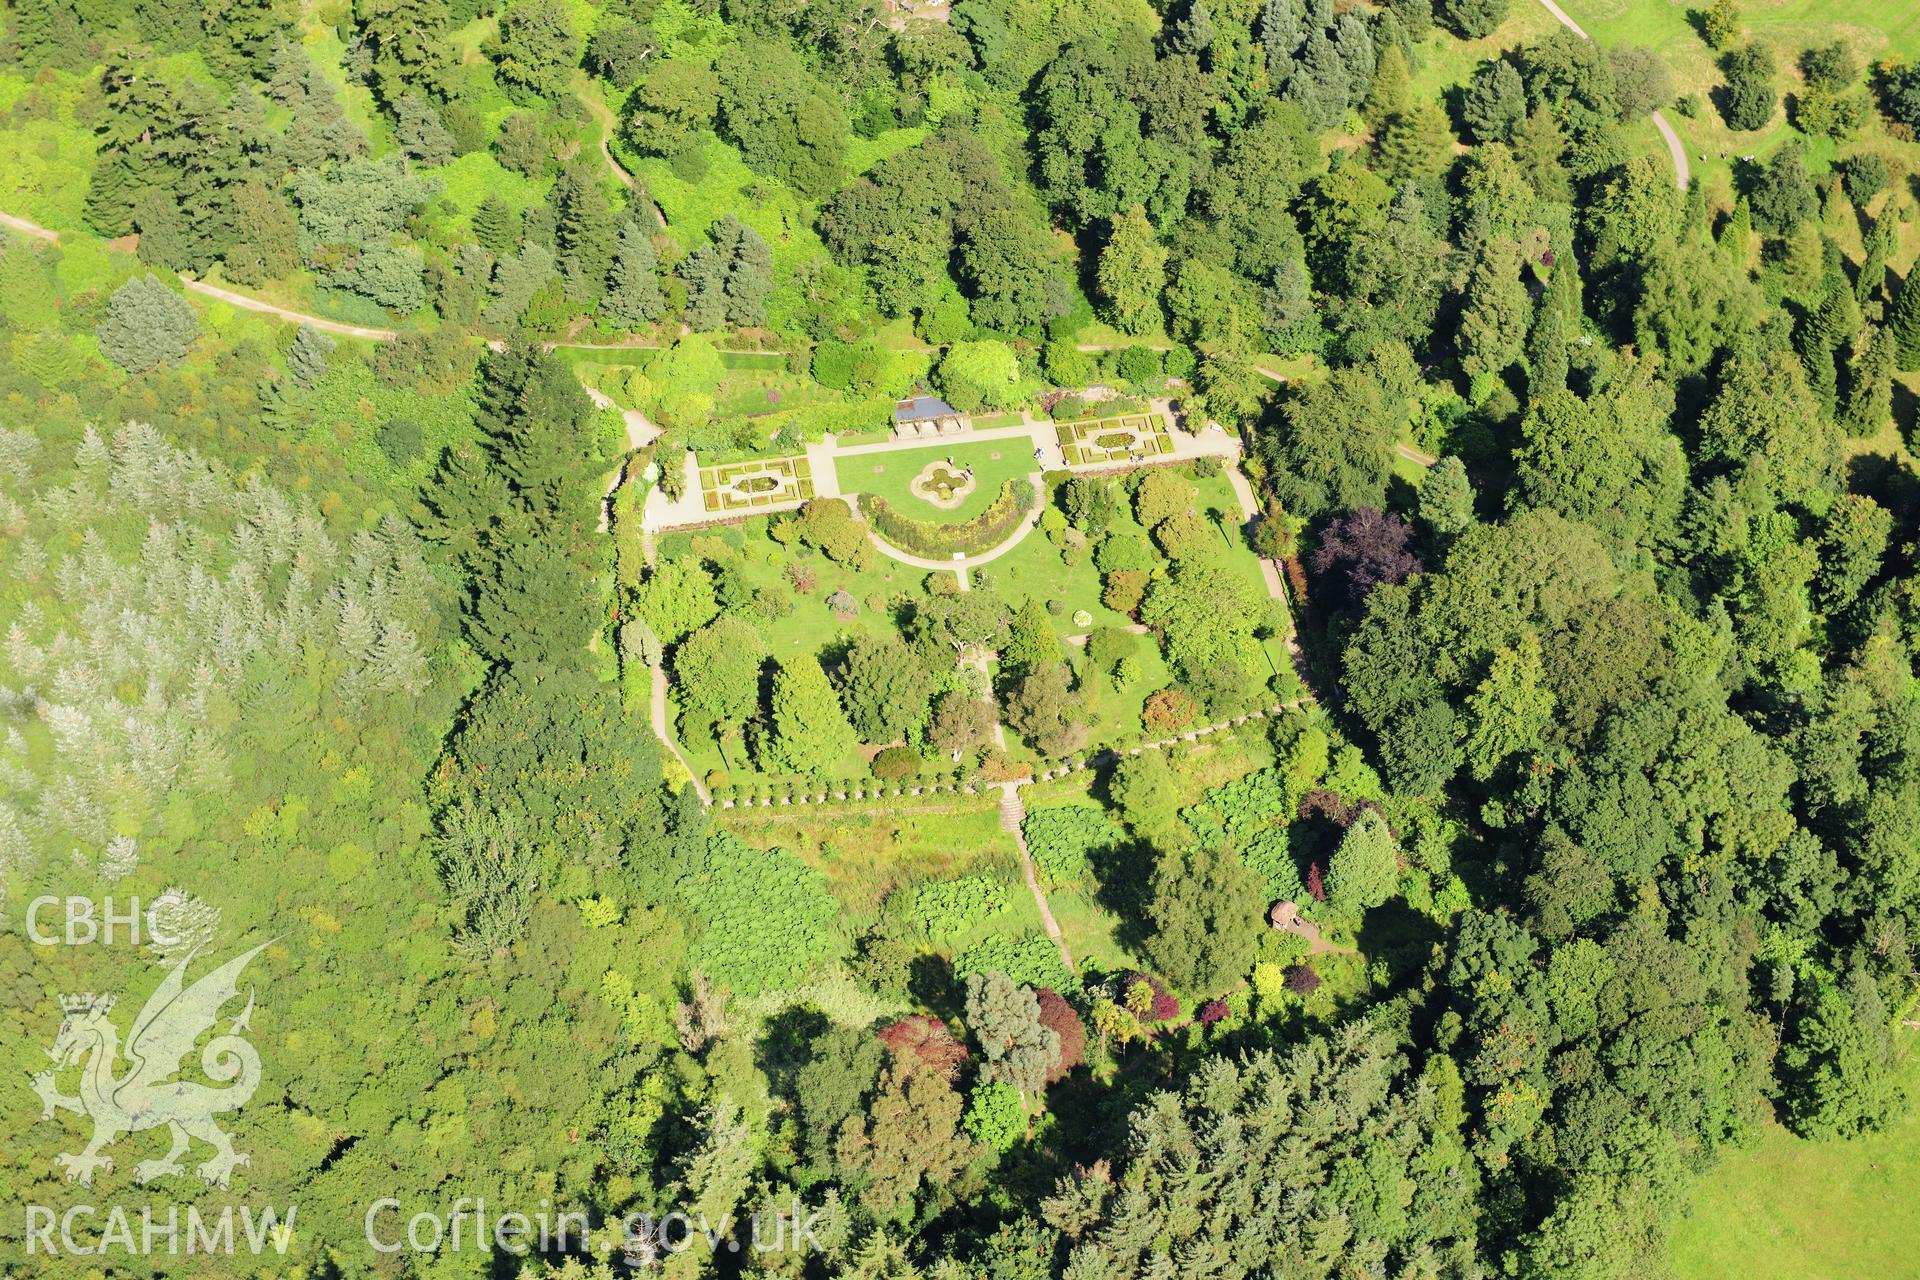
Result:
1682,171
1013,813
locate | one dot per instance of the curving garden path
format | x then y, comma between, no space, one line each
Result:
1682,171
589,94
246,302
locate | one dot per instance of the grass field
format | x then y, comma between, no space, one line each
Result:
1872,31
1789,1209
890,475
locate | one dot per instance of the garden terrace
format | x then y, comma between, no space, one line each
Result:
1105,441
736,488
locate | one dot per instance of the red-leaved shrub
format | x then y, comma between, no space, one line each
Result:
925,1040
1056,1013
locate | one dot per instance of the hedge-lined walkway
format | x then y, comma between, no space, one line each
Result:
845,793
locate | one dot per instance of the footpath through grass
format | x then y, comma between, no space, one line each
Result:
1789,1209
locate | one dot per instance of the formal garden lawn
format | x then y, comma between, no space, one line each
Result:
1789,1209
891,475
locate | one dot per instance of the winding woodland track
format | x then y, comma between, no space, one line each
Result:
1682,171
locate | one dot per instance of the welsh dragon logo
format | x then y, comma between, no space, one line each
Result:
143,1097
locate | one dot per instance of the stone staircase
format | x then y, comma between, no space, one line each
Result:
1013,810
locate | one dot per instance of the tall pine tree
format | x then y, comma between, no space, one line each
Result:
633,298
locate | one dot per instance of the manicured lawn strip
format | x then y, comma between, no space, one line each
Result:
982,422
890,476
1789,1209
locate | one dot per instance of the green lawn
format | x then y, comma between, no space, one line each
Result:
1873,31
889,475
1789,1209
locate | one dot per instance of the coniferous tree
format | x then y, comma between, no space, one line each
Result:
1494,102
585,233
307,358
146,324
809,731
1354,43
241,35
728,279
633,298
419,131
1018,1047
1366,867
1474,18
1415,144
1821,333
1870,383
408,41
1736,236
1132,272
1547,342
496,226
1392,91
1750,95
1318,84
1281,33
1205,908
1493,327
1877,249
1446,497
1904,323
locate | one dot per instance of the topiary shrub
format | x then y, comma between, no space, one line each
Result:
897,763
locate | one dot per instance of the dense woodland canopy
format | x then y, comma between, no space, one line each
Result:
1603,780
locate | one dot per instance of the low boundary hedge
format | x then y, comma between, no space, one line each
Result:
939,541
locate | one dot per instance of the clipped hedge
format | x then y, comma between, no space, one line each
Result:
939,541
